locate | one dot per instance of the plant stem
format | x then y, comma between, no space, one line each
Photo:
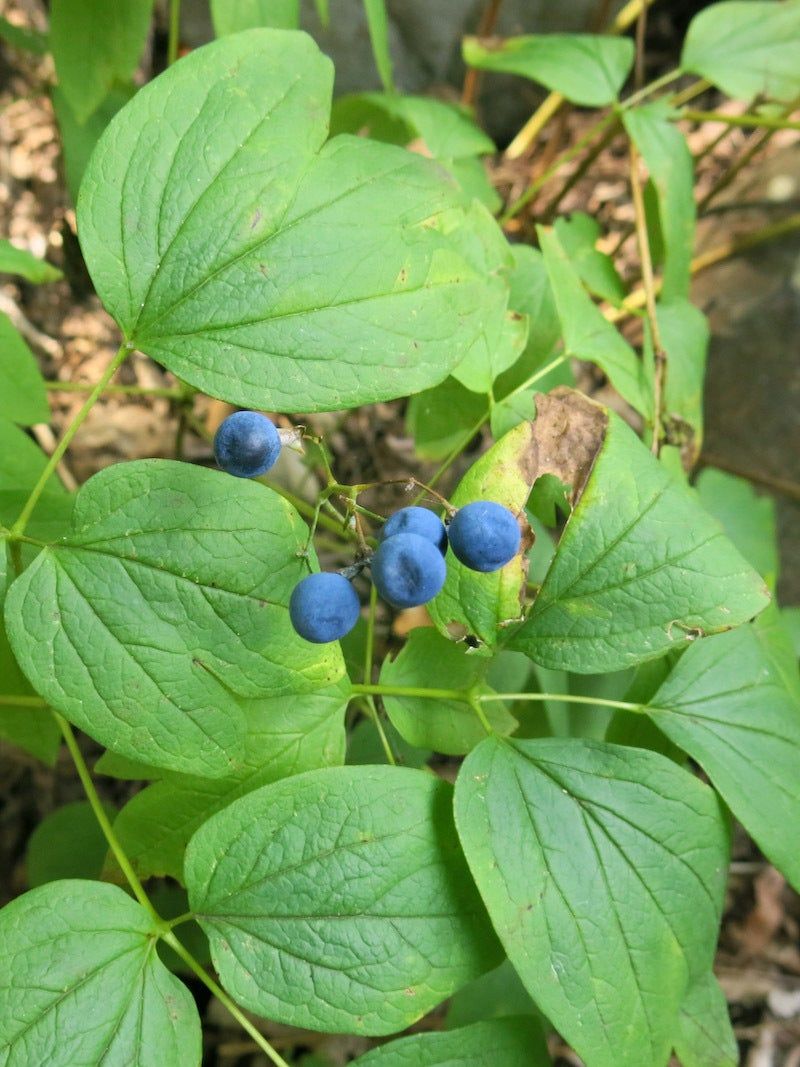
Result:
536,123
767,122
466,696
566,698
19,526
11,701
411,691
472,77
475,704
168,392
659,355
201,973
102,818
174,31
369,703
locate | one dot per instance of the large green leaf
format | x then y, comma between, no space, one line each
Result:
730,705
669,161
255,263
475,605
164,605
232,16
94,50
18,261
431,661
22,395
747,48
82,983
67,843
443,418
21,464
685,336
506,1042
603,870
705,1037
584,68
640,569
587,333
284,736
339,899
79,138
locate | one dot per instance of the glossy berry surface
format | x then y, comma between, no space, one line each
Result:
419,521
408,570
484,535
324,607
246,444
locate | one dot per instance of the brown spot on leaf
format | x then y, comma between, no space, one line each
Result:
567,434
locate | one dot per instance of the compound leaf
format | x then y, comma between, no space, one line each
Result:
586,69
640,569
747,48
339,899
164,605
284,736
510,1042
258,262
82,983
603,870
733,706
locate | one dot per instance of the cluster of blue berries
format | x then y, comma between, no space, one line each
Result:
408,568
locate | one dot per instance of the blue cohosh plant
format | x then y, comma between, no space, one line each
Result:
581,853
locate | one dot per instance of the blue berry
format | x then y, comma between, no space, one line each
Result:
408,570
417,521
324,607
484,535
246,444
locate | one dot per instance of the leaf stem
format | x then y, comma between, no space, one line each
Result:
200,972
648,282
566,698
19,526
369,702
411,691
767,122
468,696
102,818
12,701
167,391
173,41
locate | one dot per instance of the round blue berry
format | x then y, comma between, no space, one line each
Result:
246,444
419,521
324,607
408,570
484,535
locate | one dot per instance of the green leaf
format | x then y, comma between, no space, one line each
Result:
747,518
67,843
705,1037
603,870
378,25
18,261
364,747
471,175
684,335
640,569
22,37
481,606
587,333
284,737
429,660
282,274
232,16
92,52
339,900
22,394
81,983
666,153
578,234
79,138
728,704
586,69
747,48
164,606
510,1042
21,464
497,994
32,729
444,418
